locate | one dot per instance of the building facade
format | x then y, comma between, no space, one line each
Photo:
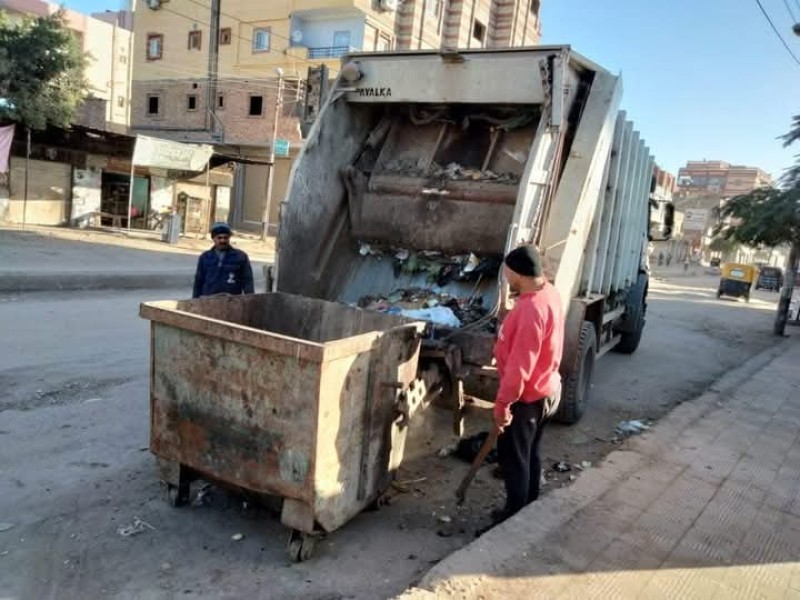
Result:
720,178
208,74
106,39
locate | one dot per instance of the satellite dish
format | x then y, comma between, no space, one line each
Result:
297,36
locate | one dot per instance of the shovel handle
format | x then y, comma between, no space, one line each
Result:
488,444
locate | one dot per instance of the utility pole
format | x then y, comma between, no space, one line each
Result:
213,66
271,174
785,301
27,170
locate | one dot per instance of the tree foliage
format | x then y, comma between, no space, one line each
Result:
763,217
41,72
792,176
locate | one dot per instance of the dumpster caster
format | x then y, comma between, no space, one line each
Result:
175,495
301,545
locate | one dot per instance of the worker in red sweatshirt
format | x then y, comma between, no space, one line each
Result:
528,355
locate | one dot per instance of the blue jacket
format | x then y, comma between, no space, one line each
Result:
231,274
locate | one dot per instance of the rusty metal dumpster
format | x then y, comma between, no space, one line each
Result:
284,396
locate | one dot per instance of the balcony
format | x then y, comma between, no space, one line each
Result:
329,51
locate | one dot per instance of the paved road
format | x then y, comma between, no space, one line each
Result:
74,466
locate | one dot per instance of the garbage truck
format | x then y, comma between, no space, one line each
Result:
424,168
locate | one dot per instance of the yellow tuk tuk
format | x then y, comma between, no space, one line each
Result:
736,280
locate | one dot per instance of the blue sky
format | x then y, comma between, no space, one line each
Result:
703,78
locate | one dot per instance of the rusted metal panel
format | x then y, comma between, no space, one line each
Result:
235,412
280,413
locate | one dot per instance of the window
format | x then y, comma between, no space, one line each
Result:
123,59
433,7
121,101
191,102
261,40
153,105
220,101
479,31
195,40
256,106
341,39
155,46
383,43
225,36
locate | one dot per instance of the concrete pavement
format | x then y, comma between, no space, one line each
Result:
45,259
706,505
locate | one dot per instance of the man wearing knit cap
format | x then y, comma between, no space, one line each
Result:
528,355
223,269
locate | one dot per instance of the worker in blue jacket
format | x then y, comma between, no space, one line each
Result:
223,269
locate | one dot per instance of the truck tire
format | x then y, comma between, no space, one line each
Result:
575,388
631,332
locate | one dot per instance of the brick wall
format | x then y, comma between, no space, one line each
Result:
239,126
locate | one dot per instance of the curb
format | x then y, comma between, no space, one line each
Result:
462,573
64,282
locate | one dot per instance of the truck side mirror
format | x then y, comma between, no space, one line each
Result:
662,221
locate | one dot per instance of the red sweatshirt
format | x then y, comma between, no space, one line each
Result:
528,348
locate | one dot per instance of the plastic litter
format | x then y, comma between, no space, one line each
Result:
138,526
561,467
631,427
237,537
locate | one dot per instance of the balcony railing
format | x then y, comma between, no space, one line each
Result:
329,51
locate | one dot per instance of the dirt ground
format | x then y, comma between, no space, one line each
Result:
75,470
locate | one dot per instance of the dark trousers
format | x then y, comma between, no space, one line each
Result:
518,453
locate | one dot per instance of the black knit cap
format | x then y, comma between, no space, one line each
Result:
525,261
220,228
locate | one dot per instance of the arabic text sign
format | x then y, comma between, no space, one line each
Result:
166,154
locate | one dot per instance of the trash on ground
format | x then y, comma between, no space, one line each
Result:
445,519
586,464
631,427
468,448
561,467
448,450
572,477
237,537
138,526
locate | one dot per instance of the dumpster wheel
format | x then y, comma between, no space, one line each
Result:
301,546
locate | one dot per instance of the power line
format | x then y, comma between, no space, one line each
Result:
778,33
791,12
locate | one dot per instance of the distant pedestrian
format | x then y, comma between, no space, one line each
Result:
669,259
660,259
223,269
686,264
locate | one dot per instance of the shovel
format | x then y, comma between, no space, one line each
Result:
488,444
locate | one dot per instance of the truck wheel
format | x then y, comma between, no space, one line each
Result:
630,341
575,389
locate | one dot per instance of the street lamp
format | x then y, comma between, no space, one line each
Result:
271,174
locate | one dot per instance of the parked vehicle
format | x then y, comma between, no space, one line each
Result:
769,278
715,262
736,281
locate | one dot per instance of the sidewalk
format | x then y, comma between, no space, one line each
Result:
706,505
47,258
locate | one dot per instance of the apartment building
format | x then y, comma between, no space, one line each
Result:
210,72
106,40
720,178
